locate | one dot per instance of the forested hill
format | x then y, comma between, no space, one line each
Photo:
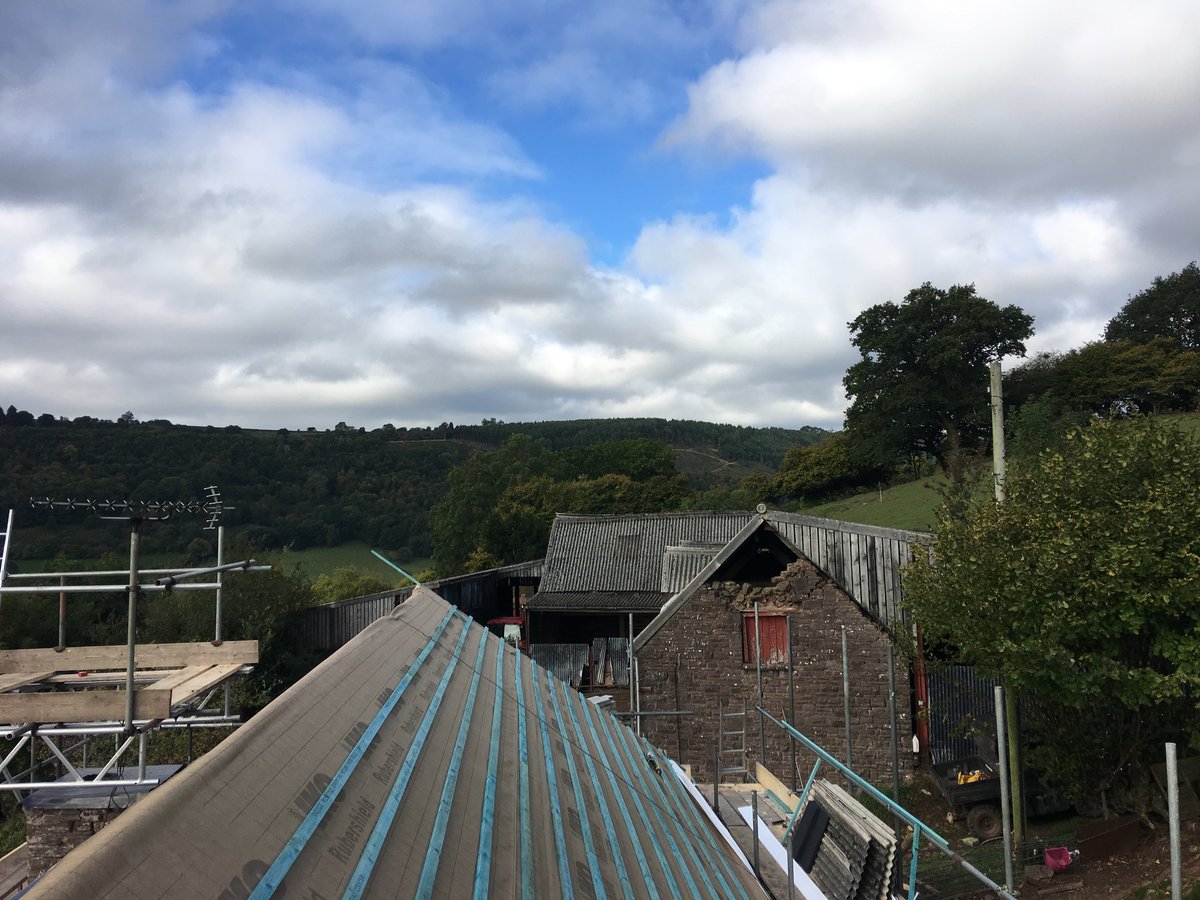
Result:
306,488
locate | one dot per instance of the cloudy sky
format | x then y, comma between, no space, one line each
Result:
294,213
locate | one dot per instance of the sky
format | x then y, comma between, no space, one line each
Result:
293,214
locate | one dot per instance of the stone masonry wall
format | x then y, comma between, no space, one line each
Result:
53,833
694,662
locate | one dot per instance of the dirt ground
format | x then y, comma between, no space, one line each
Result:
1141,874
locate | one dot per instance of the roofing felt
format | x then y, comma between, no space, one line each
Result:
425,758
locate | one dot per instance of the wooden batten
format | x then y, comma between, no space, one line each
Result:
202,681
147,656
83,706
14,680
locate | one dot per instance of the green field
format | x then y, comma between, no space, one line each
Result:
355,555
912,506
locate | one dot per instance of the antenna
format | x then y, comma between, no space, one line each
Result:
146,510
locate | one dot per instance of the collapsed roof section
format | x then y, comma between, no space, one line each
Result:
426,758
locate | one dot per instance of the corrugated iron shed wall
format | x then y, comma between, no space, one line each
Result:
566,661
331,625
962,705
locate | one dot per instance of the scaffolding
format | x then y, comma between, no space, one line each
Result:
63,698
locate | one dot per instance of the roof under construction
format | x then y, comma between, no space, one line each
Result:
425,758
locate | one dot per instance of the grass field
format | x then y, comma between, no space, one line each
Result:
912,506
323,560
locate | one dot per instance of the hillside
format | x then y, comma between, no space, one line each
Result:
305,488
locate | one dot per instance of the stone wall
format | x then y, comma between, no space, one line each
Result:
694,662
53,833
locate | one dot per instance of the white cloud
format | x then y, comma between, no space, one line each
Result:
280,246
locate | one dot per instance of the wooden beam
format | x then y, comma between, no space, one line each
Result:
20,679
172,680
148,656
201,682
82,706
769,782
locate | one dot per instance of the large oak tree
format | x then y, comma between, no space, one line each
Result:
1169,308
921,384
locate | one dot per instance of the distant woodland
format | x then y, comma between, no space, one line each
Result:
311,488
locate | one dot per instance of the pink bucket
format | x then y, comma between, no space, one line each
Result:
1057,858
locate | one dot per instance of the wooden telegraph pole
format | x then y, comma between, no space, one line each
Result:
999,472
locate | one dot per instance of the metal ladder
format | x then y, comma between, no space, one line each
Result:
733,757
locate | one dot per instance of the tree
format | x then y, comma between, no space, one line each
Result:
920,386
1169,308
813,472
1111,378
1081,590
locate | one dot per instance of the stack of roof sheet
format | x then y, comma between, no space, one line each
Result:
856,853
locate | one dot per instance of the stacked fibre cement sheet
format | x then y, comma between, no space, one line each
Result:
424,758
857,854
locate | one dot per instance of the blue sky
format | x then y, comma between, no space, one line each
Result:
298,213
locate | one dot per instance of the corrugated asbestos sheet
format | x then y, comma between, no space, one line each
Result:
681,564
663,551
425,758
596,601
625,553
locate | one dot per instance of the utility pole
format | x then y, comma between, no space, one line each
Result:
999,473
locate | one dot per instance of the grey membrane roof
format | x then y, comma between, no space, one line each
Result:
424,758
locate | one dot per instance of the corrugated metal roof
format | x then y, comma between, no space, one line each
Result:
625,553
596,601
424,757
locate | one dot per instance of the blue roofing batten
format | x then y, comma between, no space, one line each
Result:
374,844
483,865
686,809
564,864
630,828
591,714
433,853
287,856
666,818
523,773
589,845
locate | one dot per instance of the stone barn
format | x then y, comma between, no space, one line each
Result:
700,653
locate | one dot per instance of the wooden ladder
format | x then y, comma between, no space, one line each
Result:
731,743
